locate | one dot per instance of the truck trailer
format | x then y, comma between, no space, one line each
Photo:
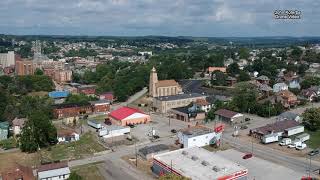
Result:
303,137
94,124
270,138
294,130
113,130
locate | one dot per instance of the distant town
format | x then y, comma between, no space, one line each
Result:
156,107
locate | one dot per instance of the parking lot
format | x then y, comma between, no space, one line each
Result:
160,124
261,169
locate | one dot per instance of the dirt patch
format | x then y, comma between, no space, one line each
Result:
8,160
142,165
89,171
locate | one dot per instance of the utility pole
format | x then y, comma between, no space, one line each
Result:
169,119
135,147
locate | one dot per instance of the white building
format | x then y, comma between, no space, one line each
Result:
65,135
54,171
17,125
198,164
143,53
279,87
197,136
7,59
113,131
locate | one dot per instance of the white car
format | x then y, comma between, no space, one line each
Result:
301,146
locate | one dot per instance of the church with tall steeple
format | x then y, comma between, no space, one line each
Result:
162,88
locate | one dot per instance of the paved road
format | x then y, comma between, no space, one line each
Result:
131,99
279,157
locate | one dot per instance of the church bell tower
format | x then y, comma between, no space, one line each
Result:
152,83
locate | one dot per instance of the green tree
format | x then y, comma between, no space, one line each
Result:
218,78
171,176
38,132
311,119
244,76
233,69
38,72
245,96
243,53
310,81
79,99
75,176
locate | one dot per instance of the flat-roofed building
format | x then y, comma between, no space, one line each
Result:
165,103
198,164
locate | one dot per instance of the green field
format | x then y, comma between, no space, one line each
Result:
314,141
87,145
89,171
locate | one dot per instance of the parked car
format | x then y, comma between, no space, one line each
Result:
247,156
131,125
247,119
244,127
156,137
173,131
301,146
314,152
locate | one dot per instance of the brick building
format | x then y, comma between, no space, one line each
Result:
25,67
87,89
100,106
70,110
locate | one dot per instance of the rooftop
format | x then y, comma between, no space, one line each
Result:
124,112
153,149
196,131
179,97
198,164
58,94
52,166
102,101
276,127
165,83
226,113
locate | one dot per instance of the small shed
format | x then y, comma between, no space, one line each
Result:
4,130
149,151
228,116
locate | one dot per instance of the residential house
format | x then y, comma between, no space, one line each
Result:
280,87
125,116
228,116
228,62
202,105
312,93
67,135
242,63
286,98
56,171
231,81
58,94
263,79
107,96
210,70
4,130
290,116
17,172
17,125
89,90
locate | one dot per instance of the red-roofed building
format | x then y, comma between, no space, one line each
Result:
128,116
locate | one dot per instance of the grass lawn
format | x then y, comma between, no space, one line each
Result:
8,160
87,145
314,141
223,147
89,171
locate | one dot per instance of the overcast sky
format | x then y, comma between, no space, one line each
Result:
214,18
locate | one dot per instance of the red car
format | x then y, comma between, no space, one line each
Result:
247,156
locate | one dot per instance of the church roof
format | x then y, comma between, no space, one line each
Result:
165,83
